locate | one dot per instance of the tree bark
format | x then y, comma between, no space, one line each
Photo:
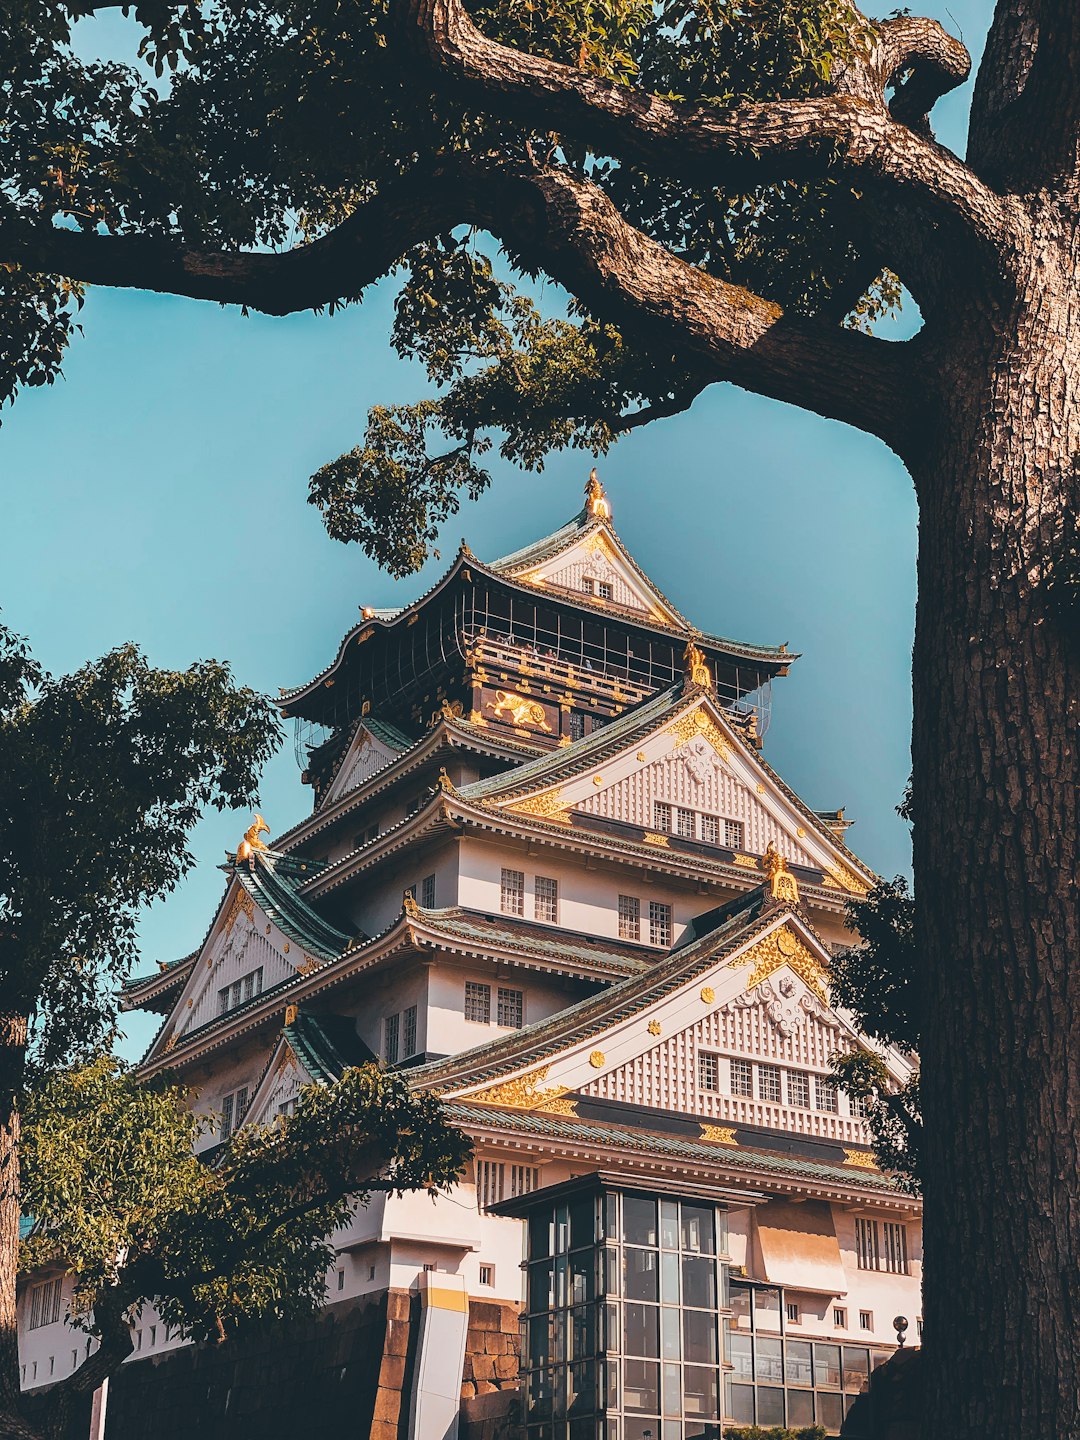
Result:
13,1029
996,784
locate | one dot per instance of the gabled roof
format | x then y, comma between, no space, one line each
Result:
273,881
326,1045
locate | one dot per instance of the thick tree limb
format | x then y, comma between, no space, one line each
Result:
850,133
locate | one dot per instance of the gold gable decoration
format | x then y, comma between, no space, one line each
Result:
695,723
242,904
524,1092
719,1134
777,949
837,877
546,806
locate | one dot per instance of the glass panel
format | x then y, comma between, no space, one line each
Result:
741,1357
829,1410
800,1369
740,1307
669,1224
611,1384
583,1429
538,1395
670,1336
699,1282
612,1337
582,1277
741,1404
672,1389
558,1336
540,1291
769,1361
562,1275
642,1330
540,1228
639,1220
539,1342
610,1272
610,1212
669,1278
702,1394
639,1275
698,1229
767,1310
800,1407
673,1430
827,1365
641,1429
770,1405
582,1394
562,1229
700,1335
583,1333
641,1386
856,1368
722,1232
582,1221
879,1357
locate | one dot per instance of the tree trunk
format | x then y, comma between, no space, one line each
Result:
996,784
12,1067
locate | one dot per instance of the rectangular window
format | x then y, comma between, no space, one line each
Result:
866,1243
825,1095
547,898
742,1078
478,1002
391,1038
226,1117
249,986
733,834
798,1089
524,1179
241,1106
576,725
708,1070
839,1318
794,1315
511,1008
661,815
287,1108
604,590
629,917
427,892
659,923
246,988
866,1320
857,1106
768,1083
408,1033
894,1247
487,1274
490,1178
45,1303
341,1279
512,895
710,829
684,823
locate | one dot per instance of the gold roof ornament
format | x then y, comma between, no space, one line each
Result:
783,884
697,667
408,904
251,842
596,502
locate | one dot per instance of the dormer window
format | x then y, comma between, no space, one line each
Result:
600,589
246,988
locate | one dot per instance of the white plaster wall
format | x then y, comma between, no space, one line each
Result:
448,1032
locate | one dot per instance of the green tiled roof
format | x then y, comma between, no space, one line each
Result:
327,1045
538,940
389,734
649,1142
543,549
273,881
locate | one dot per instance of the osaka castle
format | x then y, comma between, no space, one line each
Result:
549,873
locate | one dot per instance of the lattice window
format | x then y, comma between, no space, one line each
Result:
825,1096
857,1106
427,892
392,1039
512,895
524,1179
511,1008
575,725
45,1303
708,1071
478,1002
894,1247
408,1032
742,1078
867,1248
659,923
661,815
490,1179
547,898
733,834
710,829
768,1081
629,917
798,1089
684,823
246,988
233,1106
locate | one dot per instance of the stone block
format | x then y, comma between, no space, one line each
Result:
392,1372
486,1387
397,1337
484,1367
508,1319
382,1430
387,1405
485,1315
506,1366
468,1390
397,1304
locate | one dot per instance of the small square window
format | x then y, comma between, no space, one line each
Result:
798,1089
857,1107
708,1071
710,829
684,823
487,1274
839,1318
866,1320
512,893
794,1314
659,923
661,815
629,917
428,1268
825,1097
768,1080
547,898
733,834
742,1078
511,1008
477,1002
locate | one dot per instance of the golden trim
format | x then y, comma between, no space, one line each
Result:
523,1092
783,884
641,757
653,1027
695,723
653,839
708,994
548,805
767,956
861,1158
719,1134
597,779
839,878
596,1059
242,901
746,861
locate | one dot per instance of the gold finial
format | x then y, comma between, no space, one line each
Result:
408,903
697,667
783,884
596,502
367,612
290,1014
251,842
446,785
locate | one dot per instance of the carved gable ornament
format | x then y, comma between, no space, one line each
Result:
782,948
787,1003
699,758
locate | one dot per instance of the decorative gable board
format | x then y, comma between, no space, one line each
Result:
284,1079
365,757
597,558
242,940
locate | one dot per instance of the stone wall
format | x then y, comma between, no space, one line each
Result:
492,1348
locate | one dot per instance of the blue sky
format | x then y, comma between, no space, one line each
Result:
158,494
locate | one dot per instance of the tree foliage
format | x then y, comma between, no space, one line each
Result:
241,1237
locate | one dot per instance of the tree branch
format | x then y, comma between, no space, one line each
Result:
850,132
